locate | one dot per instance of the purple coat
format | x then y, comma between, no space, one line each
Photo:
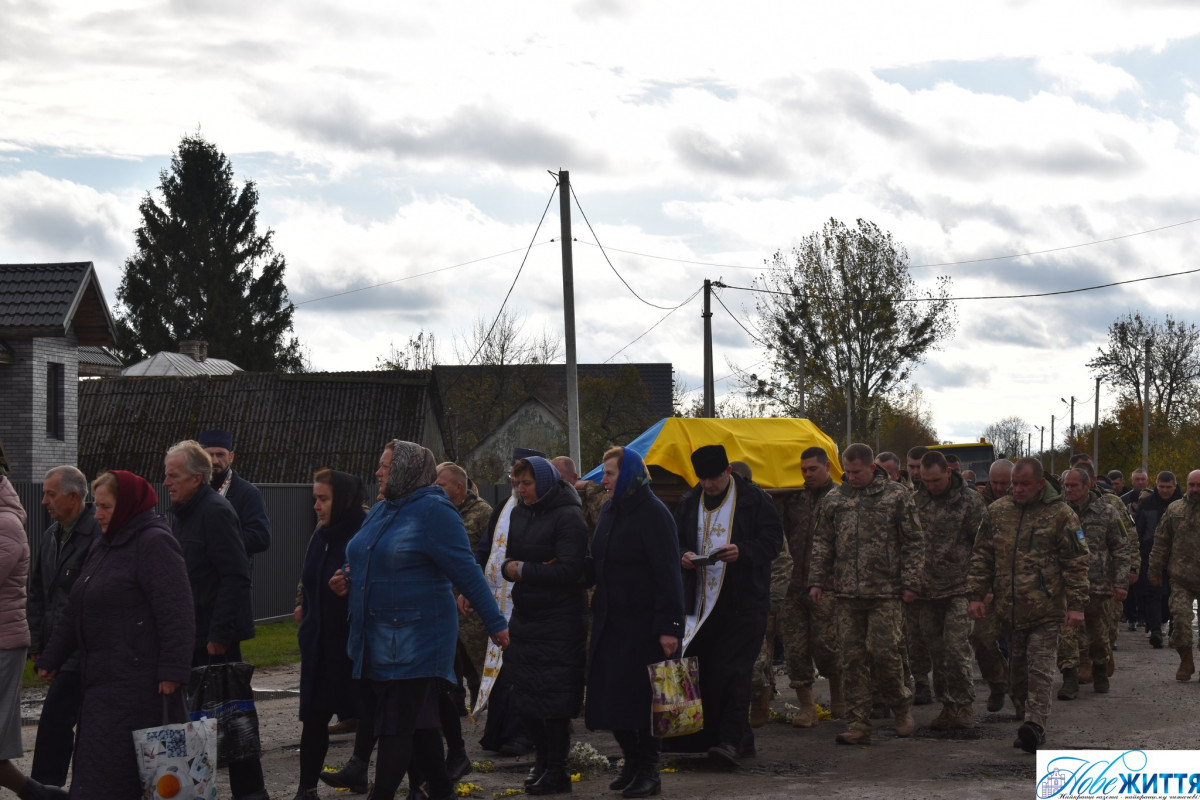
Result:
130,616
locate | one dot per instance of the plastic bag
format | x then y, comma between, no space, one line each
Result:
675,706
223,692
178,761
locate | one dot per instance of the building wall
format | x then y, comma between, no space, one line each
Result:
23,397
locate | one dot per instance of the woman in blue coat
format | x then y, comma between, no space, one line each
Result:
402,563
637,615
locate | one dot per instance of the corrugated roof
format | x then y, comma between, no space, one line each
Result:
50,299
285,426
98,357
178,365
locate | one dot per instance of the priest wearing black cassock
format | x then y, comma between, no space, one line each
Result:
726,596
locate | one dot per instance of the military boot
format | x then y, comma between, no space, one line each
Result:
1070,685
1101,679
904,721
837,699
942,721
1186,665
806,713
858,736
760,709
996,694
1085,673
1156,638
964,718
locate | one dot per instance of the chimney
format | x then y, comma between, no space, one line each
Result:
195,349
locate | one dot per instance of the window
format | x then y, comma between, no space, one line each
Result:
56,401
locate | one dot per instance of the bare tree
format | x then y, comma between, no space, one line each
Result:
502,340
1008,435
1174,363
419,353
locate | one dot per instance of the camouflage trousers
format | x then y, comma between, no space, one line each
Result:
985,634
1180,602
762,677
810,636
471,653
1032,674
1092,637
1114,621
946,629
920,658
872,632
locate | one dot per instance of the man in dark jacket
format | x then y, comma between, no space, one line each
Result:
207,528
244,496
1151,506
55,566
729,533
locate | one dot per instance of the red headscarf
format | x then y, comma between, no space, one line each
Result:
134,495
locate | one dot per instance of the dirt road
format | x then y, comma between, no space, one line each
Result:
1147,708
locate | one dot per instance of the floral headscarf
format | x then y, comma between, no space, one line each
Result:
413,467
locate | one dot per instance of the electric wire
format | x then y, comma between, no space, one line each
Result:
655,325
757,338
607,259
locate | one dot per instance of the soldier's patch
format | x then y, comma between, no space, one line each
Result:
1079,535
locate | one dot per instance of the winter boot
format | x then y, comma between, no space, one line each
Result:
837,699
1085,673
1100,674
1186,665
353,776
557,778
904,721
1156,639
646,781
964,719
307,794
996,694
942,721
457,765
629,749
1031,736
1070,685
806,714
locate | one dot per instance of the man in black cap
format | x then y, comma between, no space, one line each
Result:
244,496
729,533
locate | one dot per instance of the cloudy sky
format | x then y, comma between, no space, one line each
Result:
390,141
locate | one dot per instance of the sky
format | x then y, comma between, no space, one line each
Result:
408,148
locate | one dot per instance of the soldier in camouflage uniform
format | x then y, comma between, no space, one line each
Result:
472,635
869,552
985,633
1177,549
591,495
950,512
1031,557
1108,577
809,630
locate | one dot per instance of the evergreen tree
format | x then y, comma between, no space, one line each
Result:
203,271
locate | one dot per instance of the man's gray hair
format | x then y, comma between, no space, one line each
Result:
70,480
196,459
1002,464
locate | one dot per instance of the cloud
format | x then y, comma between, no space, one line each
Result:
42,218
1077,73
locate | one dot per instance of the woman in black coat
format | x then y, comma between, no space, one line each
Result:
544,662
327,686
637,615
130,615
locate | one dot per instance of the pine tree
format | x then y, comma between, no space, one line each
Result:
203,271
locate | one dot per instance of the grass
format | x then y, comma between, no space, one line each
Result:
273,645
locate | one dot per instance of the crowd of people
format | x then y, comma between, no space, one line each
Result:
427,602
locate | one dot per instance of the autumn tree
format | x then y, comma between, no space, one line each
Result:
1009,436
844,322
1174,363
203,270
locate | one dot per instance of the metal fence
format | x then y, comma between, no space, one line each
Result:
277,571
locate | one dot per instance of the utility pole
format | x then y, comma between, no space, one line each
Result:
1041,441
1029,444
1051,443
1146,416
710,403
1096,431
564,213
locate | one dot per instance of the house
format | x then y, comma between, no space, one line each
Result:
48,312
285,426
192,359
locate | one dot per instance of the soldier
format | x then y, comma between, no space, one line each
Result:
869,551
891,465
1151,507
949,511
1108,576
1177,549
1117,481
968,476
591,495
914,465
809,630
1031,557
985,633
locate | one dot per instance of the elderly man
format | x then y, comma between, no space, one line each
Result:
890,462
809,630
1139,479
949,511
729,533
1109,549
869,551
54,567
210,536
1177,550
244,496
1031,559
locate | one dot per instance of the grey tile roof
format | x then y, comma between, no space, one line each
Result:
179,365
48,299
98,357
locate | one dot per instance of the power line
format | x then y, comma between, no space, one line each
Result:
655,325
757,338
670,258
606,258
980,297
423,274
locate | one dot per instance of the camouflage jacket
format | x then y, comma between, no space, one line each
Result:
475,513
1108,542
592,497
868,542
1177,544
1033,558
781,574
798,512
990,496
950,521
